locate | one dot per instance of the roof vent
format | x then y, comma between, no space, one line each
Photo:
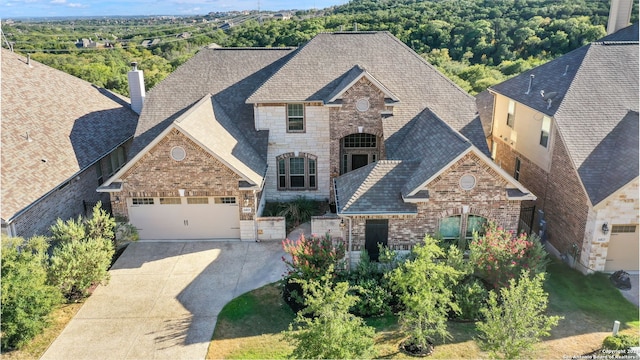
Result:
566,70
530,83
548,97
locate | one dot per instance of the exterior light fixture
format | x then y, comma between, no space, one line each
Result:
605,228
342,224
181,192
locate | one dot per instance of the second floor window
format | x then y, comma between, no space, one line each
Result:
545,131
297,172
295,118
115,160
511,114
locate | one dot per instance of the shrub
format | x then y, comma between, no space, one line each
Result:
326,329
84,253
27,299
77,265
499,256
470,295
515,321
297,211
311,258
424,287
620,342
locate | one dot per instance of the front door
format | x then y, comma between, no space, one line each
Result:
376,232
359,160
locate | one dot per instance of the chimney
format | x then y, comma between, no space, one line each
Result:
136,88
619,15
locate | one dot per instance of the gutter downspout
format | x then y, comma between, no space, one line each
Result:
350,245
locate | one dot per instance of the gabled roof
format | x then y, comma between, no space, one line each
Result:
210,127
596,88
229,74
351,77
322,67
54,126
375,189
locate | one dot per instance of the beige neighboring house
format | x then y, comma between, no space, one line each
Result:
62,137
354,118
568,130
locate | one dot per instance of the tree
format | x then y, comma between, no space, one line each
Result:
515,321
424,287
325,328
27,299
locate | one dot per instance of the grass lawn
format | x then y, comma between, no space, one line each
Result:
249,327
36,347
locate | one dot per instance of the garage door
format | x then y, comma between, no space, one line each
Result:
623,248
183,218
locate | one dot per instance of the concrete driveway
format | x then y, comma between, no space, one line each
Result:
163,299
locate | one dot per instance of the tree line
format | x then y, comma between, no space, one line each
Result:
477,43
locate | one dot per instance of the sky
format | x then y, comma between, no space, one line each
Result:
46,8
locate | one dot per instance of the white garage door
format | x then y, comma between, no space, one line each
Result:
622,253
183,218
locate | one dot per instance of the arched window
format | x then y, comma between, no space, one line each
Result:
297,172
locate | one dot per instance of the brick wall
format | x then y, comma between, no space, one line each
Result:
64,203
446,198
156,174
566,205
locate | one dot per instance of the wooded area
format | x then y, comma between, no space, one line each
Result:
477,43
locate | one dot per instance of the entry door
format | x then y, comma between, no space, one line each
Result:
359,160
376,232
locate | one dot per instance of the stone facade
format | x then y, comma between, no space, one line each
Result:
446,198
314,140
199,174
271,228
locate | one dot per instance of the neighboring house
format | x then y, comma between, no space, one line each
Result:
355,118
568,130
61,138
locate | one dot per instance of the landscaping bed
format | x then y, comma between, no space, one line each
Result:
250,326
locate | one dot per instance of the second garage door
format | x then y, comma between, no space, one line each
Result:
622,253
185,218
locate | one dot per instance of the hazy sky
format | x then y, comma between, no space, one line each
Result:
38,8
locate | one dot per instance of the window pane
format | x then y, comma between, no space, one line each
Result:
360,140
282,183
450,227
295,117
170,201
225,200
312,181
544,132
297,181
295,110
475,223
296,166
296,124
312,167
197,200
511,113
281,169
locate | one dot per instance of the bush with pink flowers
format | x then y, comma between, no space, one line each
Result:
500,255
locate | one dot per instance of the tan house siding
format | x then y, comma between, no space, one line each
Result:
446,198
156,174
566,207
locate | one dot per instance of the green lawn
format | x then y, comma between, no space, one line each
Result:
249,327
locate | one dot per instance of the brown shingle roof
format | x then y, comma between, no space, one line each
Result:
70,124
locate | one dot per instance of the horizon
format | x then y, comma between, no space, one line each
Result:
33,9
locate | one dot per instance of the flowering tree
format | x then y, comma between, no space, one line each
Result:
500,255
311,256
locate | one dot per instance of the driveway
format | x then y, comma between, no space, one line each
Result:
163,299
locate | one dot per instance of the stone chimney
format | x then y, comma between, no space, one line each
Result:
619,15
136,88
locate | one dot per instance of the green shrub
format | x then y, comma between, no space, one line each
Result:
470,295
375,298
27,299
325,329
620,342
297,211
77,265
83,254
515,319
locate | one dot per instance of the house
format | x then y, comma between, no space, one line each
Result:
355,118
568,130
61,138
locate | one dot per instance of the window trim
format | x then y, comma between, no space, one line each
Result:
302,117
310,171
